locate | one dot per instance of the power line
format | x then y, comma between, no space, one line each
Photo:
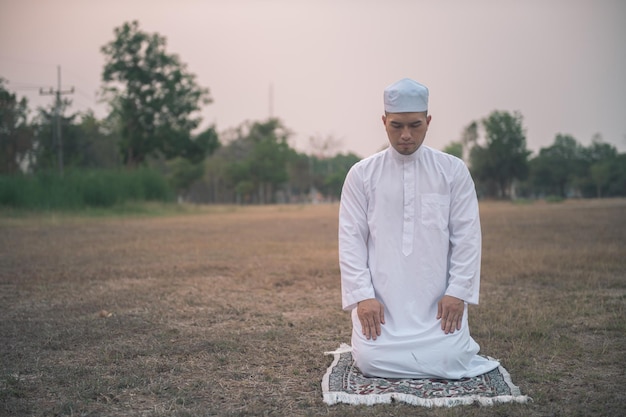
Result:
17,85
59,138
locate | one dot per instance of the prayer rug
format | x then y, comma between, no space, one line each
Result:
344,383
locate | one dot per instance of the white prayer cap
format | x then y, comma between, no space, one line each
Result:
406,96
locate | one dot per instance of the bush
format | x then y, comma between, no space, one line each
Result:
554,199
79,189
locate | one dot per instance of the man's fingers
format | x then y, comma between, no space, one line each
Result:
450,310
450,324
371,314
367,329
445,325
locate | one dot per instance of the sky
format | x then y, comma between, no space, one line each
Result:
321,66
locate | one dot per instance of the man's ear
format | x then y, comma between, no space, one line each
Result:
428,119
384,120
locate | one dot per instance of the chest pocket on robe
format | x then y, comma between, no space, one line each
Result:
435,210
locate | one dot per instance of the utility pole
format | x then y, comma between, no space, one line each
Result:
57,107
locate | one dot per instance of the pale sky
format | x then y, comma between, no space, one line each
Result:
561,63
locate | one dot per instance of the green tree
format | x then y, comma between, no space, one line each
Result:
181,175
98,145
16,134
557,168
454,148
258,153
299,175
203,144
504,157
225,167
328,174
46,137
617,187
469,138
600,173
153,97
600,168
599,150
217,178
268,161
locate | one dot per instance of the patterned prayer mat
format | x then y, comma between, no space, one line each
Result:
344,383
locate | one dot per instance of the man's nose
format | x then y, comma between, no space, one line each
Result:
406,134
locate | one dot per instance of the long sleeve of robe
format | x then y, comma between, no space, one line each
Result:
409,233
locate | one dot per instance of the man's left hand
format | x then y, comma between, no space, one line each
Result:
450,311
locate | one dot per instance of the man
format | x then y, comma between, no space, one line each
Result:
409,251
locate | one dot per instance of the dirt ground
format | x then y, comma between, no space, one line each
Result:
228,310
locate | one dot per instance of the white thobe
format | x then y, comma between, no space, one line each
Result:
409,232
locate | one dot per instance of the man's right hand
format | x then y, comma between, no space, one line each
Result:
371,314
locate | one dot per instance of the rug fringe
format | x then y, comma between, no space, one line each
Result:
515,391
343,348
332,398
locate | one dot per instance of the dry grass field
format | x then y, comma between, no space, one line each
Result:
227,311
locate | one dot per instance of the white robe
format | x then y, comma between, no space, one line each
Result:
409,232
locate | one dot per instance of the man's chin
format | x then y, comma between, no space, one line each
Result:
405,150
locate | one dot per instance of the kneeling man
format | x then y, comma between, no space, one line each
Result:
409,251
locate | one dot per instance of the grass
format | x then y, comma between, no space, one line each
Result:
82,189
227,311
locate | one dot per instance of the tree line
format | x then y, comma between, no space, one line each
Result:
502,166
154,104
153,119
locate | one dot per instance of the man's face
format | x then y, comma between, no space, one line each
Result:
406,131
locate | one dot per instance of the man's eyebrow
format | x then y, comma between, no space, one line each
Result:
415,123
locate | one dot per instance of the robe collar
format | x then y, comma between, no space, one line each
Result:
415,156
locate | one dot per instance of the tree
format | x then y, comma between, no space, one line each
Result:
600,170
567,168
601,175
257,165
182,173
257,155
204,144
599,150
617,187
557,168
98,147
154,99
47,144
469,138
329,174
16,135
454,148
504,157
300,175
268,160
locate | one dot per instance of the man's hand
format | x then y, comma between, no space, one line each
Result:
450,311
371,314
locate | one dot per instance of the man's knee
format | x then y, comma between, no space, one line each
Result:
366,362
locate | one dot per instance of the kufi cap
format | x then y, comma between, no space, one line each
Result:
406,96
